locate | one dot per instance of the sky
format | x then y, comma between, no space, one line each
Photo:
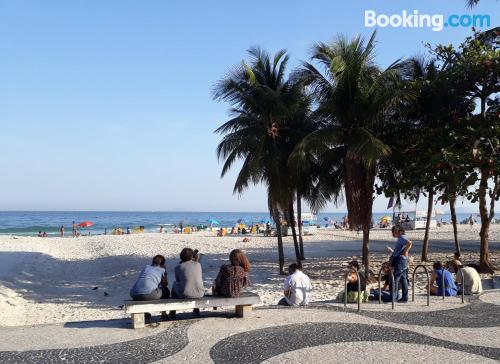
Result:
107,105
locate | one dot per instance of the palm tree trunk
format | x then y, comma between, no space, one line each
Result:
281,255
366,250
425,244
359,199
291,218
299,218
453,214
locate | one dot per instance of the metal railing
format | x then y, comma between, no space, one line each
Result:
359,288
463,282
443,288
428,284
380,287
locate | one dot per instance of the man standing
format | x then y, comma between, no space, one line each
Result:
73,229
61,230
399,262
297,287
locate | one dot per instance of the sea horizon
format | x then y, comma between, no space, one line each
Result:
30,223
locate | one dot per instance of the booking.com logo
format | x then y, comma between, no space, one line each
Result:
414,19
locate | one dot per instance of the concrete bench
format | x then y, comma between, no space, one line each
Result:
137,309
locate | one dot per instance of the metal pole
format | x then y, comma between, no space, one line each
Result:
463,283
442,282
345,288
493,280
392,289
428,287
380,285
359,290
428,283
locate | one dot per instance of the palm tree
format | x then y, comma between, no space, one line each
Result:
263,105
472,3
355,97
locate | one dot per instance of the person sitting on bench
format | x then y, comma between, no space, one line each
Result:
232,278
450,289
188,277
297,287
152,283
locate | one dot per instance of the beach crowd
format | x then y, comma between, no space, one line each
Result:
233,278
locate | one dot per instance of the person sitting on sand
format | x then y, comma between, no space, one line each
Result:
352,279
232,278
450,289
387,288
297,287
352,284
188,277
471,278
152,283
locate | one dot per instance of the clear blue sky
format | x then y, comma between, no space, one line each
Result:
106,105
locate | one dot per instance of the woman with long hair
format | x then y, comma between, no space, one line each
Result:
233,277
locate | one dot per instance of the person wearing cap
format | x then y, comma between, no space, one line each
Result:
471,279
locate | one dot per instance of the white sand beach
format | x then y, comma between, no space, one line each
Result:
48,280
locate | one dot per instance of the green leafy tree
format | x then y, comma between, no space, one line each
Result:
475,68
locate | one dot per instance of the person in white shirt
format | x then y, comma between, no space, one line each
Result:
297,287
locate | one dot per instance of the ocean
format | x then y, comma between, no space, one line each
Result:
29,223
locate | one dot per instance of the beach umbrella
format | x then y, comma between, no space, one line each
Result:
240,221
85,224
386,218
439,212
213,222
265,221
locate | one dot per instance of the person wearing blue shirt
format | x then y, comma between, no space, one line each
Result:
152,283
399,262
450,288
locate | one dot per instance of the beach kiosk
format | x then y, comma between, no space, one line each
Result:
413,220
